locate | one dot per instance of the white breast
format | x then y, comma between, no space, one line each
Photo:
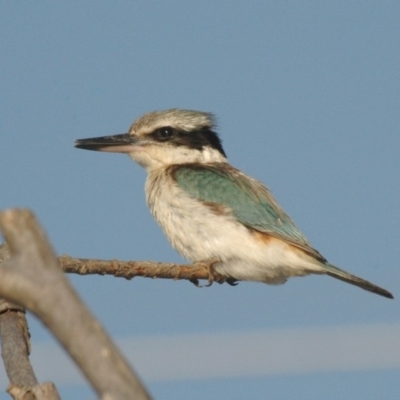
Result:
192,228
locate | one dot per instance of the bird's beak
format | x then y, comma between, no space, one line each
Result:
124,143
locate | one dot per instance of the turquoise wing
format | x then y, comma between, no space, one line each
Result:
249,201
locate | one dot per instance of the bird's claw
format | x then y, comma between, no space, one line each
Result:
196,282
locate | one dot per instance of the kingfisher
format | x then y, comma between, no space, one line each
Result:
211,211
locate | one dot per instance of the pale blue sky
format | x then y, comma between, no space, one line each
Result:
307,100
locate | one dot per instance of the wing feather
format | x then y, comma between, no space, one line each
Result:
248,200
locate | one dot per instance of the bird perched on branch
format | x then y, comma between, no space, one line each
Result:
210,210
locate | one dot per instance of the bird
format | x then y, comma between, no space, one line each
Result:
212,211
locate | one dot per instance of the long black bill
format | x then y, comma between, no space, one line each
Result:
116,144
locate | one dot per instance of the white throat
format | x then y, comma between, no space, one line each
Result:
155,156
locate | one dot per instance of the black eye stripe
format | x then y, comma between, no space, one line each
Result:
197,139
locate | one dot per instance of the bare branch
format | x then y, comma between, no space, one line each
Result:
130,269
34,279
126,269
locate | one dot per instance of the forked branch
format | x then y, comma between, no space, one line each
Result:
32,278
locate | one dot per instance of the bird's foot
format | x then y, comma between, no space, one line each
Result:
213,275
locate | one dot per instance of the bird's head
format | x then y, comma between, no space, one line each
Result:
162,138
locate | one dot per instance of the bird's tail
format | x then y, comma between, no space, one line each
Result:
338,273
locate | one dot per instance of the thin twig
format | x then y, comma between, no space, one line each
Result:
131,269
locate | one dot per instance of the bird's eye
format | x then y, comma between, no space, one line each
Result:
165,133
